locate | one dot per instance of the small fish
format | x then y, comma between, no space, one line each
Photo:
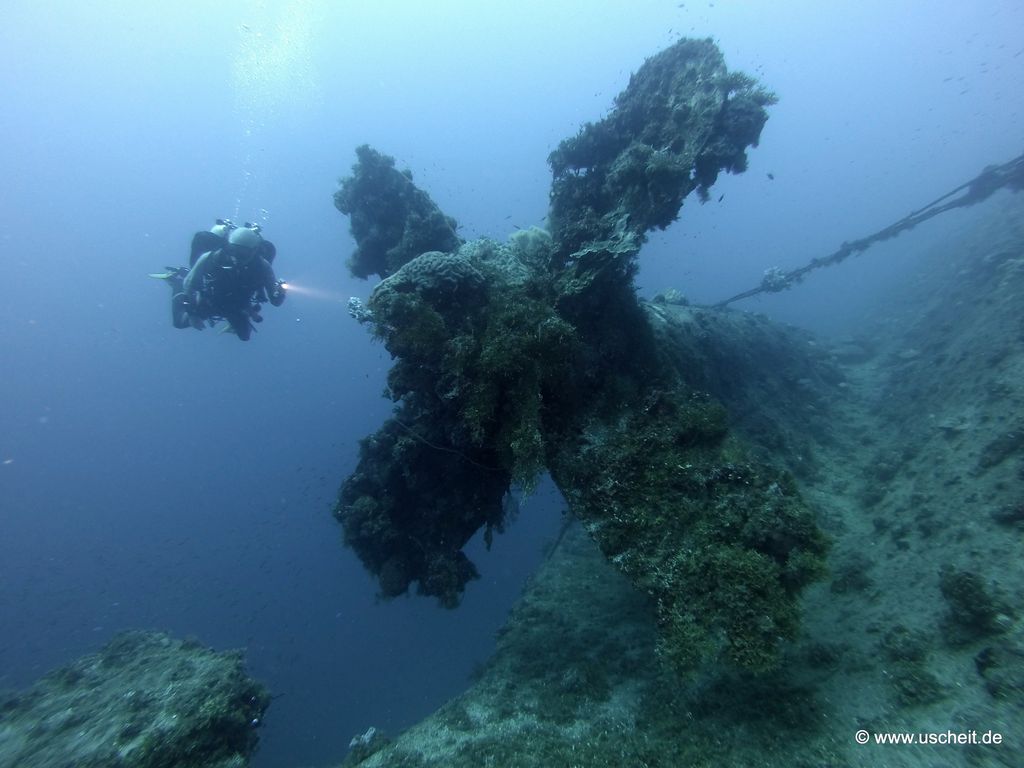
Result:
771,177
721,198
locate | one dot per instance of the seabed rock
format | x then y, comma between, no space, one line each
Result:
145,700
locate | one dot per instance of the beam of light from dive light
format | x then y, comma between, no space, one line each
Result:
312,293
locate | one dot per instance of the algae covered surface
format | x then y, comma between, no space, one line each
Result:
917,630
774,543
515,358
145,700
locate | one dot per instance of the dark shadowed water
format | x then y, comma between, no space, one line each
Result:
167,479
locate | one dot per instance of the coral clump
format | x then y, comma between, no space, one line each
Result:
514,358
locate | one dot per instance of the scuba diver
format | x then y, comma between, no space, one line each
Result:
229,276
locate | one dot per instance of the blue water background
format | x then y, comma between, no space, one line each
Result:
158,478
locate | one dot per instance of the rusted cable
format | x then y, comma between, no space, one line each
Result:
989,181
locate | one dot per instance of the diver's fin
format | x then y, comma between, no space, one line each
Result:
169,272
229,328
173,276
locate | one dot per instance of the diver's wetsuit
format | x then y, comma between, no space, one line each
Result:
202,242
222,283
